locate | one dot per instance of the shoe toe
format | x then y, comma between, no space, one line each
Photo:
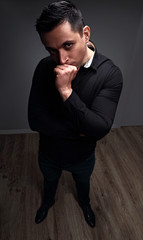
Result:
89,216
41,214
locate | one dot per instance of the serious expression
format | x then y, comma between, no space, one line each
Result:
67,46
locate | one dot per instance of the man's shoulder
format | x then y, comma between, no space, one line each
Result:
105,64
106,68
46,61
102,60
44,67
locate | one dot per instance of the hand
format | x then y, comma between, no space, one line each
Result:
64,75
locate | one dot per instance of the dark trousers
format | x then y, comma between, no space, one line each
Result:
81,173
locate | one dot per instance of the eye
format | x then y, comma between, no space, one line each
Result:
68,45
51,50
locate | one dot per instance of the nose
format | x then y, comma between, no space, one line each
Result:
63,57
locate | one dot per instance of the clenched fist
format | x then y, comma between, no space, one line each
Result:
64,75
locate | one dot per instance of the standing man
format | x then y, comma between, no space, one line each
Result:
72,103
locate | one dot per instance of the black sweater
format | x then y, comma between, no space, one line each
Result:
90,109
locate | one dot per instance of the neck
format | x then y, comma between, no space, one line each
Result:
88,55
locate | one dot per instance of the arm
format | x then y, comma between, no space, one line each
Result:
96,121
43,113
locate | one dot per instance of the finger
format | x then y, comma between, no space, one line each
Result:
56,71
64,66
66,69
72,67
61,67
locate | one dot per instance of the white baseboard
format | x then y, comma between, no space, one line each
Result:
21,131
116,126
16,131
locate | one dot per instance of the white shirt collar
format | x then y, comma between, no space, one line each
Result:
88,64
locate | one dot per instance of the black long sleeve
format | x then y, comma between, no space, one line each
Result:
96,120
90,109
45,110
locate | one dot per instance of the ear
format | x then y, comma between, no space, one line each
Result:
86,33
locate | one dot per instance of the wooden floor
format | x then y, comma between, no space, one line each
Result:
116,191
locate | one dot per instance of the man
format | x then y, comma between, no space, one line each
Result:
72,104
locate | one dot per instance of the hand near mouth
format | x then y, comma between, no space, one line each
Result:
64,75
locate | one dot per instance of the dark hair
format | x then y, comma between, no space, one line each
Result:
57,13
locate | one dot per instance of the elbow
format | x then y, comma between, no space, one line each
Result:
102,131
32,126
99,130
32,123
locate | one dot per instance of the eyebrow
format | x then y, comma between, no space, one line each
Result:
68,41
49,48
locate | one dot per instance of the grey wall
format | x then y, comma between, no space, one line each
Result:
132,99
117,30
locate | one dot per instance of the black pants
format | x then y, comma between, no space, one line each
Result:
81,173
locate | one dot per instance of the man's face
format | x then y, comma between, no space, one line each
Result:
66,46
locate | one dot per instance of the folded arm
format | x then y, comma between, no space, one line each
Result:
96,121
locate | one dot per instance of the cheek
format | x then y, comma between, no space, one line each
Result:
80,53
80,50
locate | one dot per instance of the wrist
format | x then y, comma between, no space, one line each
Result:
65,93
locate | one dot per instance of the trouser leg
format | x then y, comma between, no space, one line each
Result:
81,174
50,188
83,190
51,173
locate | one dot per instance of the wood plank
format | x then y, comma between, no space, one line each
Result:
116,191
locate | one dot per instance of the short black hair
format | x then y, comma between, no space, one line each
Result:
58,12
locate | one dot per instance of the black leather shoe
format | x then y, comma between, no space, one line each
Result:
42,213
88,215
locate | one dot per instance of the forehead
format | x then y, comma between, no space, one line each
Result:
60,34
